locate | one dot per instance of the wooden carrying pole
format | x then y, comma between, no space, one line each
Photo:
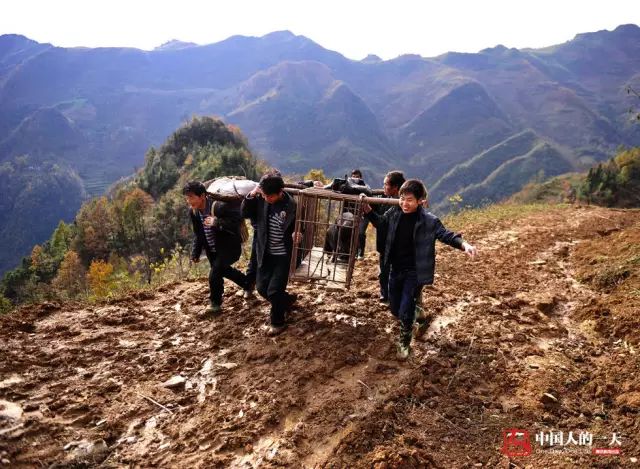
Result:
297,188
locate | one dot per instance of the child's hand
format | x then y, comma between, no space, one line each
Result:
297,237
366,208
470,250
256,192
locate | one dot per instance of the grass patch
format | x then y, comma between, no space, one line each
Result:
609,278
497,212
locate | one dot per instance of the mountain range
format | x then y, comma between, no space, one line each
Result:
481,125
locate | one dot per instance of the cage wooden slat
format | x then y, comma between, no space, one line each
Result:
318,212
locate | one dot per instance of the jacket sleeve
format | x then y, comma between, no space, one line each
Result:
249,208
378,220
446,236
196,243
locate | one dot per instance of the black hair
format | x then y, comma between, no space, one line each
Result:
272,183
194,187
396,178
414,187
356,173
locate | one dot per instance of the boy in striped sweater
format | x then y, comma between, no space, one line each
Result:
216,231
274,213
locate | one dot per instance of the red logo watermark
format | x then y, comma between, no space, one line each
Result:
515,442
606,451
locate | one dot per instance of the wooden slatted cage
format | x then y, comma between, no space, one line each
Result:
329,223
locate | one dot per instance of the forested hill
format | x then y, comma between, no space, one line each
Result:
137,235
465,123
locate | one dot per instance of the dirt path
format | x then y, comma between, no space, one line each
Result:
510,346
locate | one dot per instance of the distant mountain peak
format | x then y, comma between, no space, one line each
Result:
16,41
175,44
410,58
622,30
371,59
500,48
15,37
284,34
633,29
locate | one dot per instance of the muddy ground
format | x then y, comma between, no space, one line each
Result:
539,334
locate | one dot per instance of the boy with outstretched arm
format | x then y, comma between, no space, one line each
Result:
409,252
216,231
274,213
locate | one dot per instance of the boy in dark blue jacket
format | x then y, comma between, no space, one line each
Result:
216,231
409,252
274,213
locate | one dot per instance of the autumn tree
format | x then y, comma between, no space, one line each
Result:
99,277
71,276
95,230
316,175
615,182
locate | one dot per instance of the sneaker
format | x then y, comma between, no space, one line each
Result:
384,300
273,331
360,257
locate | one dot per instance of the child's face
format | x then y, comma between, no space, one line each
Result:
409,203
196,202
389,190
273,198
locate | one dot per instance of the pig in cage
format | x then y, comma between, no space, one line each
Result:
329,223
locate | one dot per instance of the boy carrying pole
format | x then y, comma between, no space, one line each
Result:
216,231
409,253
274,213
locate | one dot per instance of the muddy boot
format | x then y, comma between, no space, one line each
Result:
422,322
247,294
211,311
291,301
404,344
273,331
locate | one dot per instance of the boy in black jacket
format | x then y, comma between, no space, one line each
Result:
274,213
411,233
216,230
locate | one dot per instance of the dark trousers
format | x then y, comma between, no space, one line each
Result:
362,236
221,269
252,268
403,289
271,283
383,276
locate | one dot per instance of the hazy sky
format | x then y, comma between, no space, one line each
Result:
353,28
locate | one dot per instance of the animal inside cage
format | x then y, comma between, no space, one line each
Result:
329,223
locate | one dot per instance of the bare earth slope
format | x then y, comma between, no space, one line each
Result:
81,386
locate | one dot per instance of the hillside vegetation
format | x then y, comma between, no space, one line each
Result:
139,233
614,183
